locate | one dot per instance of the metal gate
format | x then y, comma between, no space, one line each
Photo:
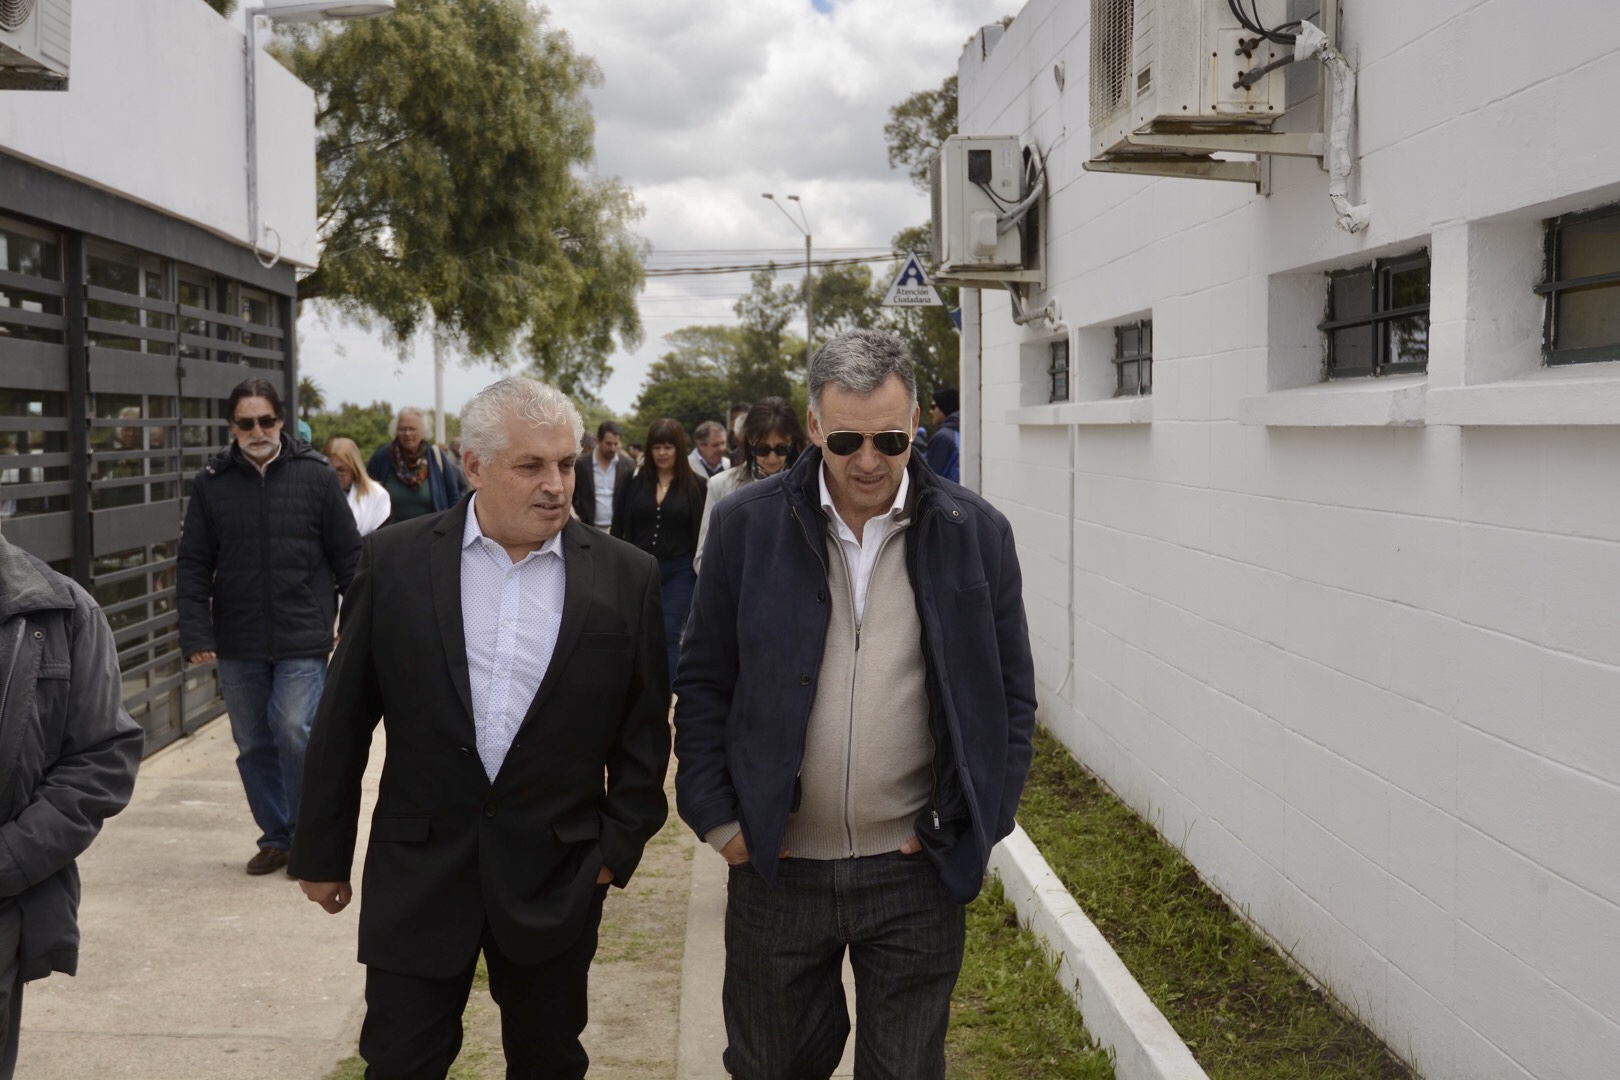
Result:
114,363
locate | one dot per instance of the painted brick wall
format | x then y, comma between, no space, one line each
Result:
1366,674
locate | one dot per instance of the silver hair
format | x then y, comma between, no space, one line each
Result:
393,425
484,418
860,361
707,428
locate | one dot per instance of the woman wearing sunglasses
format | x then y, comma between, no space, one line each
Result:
659,511
771,441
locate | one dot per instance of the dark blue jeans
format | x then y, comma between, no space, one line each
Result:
272,706
786,1017
677,579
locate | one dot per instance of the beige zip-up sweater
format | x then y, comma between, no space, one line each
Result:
868,752
868,768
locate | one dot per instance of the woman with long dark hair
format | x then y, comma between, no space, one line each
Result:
771,440
660,511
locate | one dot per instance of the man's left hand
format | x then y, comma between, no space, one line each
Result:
911,846
604,876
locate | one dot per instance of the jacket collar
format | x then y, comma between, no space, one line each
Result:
25,587
231,457
928,491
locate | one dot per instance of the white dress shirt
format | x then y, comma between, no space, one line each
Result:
604,488
511,613
861,555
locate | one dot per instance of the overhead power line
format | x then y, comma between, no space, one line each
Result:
749,268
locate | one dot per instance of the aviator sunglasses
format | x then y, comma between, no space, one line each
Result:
888,443
245,423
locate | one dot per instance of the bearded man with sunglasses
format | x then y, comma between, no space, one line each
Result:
854,715
268,543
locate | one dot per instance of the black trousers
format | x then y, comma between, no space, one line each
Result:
412,1029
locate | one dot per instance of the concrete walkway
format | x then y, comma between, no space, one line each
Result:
191,969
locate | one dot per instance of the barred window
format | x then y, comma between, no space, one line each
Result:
1583,287
1058,370
1133,359
1378,318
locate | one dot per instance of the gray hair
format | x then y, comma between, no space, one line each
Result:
412,410
860,361
484,418
707,428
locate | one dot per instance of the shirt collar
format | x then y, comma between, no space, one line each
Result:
471,534
893,512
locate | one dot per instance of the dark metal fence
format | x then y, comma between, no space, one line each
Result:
114,363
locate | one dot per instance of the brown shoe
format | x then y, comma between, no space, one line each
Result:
268,860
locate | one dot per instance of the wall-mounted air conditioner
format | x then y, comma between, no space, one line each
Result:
1181,67
34,40
978,181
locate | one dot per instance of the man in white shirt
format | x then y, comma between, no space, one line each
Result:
708,457
600,475
517,659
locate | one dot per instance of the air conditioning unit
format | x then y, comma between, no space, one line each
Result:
1177,67
34,40
977,179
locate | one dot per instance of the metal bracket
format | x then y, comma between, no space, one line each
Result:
1289,144
990,279
1241,172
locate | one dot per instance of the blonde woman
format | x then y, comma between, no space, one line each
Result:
367,499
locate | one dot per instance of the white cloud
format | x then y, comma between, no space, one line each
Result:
703,105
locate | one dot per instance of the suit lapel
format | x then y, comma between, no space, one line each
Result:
444,568
579,576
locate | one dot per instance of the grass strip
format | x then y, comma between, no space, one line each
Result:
1010,1020
1245,1013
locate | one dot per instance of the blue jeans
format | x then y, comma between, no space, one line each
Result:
272,706
786,1017
677,579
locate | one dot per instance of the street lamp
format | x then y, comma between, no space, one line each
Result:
285,11
809,309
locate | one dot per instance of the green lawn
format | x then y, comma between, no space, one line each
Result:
1242,1009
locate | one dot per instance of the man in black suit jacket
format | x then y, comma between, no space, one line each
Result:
518,658
588,472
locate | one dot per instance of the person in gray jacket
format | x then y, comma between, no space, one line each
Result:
68,755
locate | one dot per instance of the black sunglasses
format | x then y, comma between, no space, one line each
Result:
780,449
245,423
888,443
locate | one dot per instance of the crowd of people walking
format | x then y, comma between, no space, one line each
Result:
850,672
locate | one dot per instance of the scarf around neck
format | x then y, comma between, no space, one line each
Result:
409,471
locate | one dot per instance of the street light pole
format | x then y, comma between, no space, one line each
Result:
809,295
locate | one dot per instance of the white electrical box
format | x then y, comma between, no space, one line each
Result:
977,179
1164,67
34,44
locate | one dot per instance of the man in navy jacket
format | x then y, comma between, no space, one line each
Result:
855,707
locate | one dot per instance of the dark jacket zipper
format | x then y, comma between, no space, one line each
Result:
264,561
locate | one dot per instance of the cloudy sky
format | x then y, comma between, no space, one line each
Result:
703,105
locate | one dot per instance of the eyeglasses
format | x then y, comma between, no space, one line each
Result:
888,443
245,423
780,449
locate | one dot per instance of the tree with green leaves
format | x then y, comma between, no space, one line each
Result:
367,425
454,187
311,399
918,127
224,7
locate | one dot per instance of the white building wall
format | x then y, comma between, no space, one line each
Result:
156,112
1355,647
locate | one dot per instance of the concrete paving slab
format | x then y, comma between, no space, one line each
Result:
189,967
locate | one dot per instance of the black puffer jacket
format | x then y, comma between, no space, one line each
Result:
263,557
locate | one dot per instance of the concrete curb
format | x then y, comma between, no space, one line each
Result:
1114,1006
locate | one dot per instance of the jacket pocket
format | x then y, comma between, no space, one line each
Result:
973,597
399,830
579,829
